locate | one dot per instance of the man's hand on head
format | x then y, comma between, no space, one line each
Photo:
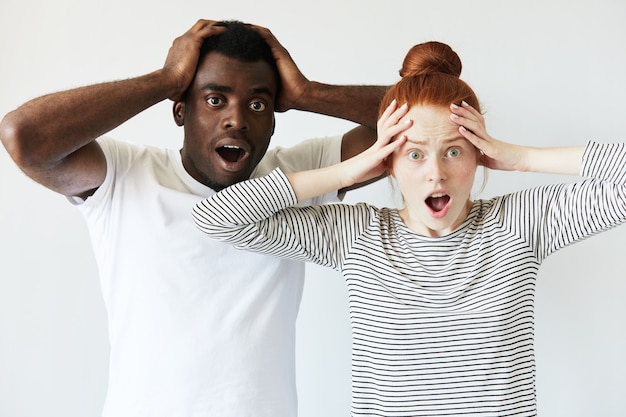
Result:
294,83
184,54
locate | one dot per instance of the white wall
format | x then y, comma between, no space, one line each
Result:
548,73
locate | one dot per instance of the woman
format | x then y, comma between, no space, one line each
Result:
441,291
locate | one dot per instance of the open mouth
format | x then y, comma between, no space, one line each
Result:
231,153
438,201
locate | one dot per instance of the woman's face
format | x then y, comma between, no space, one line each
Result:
435,171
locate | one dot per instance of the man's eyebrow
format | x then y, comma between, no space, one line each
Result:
262,90
217,87
226,89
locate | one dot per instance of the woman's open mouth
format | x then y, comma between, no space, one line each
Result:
438,204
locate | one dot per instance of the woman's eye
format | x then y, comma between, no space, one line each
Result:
415,155
258,106
454,152
214,101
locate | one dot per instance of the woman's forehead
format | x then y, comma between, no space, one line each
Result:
431,125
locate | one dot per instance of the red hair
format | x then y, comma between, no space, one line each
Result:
430,76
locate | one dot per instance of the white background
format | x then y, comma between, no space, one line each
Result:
547,73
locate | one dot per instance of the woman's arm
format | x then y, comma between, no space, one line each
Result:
257,215
360,168
506,156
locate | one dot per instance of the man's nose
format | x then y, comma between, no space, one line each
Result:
235,118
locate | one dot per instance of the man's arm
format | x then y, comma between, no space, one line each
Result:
355,103
358,104
52,138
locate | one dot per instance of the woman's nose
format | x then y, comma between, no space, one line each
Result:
436,170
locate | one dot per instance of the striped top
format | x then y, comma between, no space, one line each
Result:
441,325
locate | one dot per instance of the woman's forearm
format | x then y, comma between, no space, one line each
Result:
316,182
555,160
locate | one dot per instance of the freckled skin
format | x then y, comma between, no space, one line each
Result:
435,158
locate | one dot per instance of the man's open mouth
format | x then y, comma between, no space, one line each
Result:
231,153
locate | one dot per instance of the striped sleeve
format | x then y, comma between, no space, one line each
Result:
225,215
563,214
258,215
606,162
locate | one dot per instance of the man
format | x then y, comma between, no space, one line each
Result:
196,328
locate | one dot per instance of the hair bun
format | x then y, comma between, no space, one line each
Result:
430,57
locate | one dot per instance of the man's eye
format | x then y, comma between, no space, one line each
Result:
214,101
415,155
454,152
258,106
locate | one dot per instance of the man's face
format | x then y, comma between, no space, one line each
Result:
228,118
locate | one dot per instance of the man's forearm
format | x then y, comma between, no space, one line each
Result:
356,103
52,126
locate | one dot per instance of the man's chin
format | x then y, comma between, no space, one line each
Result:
224,182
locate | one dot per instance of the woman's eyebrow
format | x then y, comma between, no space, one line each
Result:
445,141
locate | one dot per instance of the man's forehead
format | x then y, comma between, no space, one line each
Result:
220,72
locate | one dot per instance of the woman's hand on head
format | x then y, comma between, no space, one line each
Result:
495,154
371,163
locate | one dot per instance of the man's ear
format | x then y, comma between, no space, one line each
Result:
179,112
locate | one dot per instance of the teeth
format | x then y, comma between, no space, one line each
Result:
231,147
437,195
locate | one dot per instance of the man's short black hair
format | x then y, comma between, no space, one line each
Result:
243,43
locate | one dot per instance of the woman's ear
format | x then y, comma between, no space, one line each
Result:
179,112
389,166
480,157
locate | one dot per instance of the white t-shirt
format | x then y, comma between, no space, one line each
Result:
196,327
